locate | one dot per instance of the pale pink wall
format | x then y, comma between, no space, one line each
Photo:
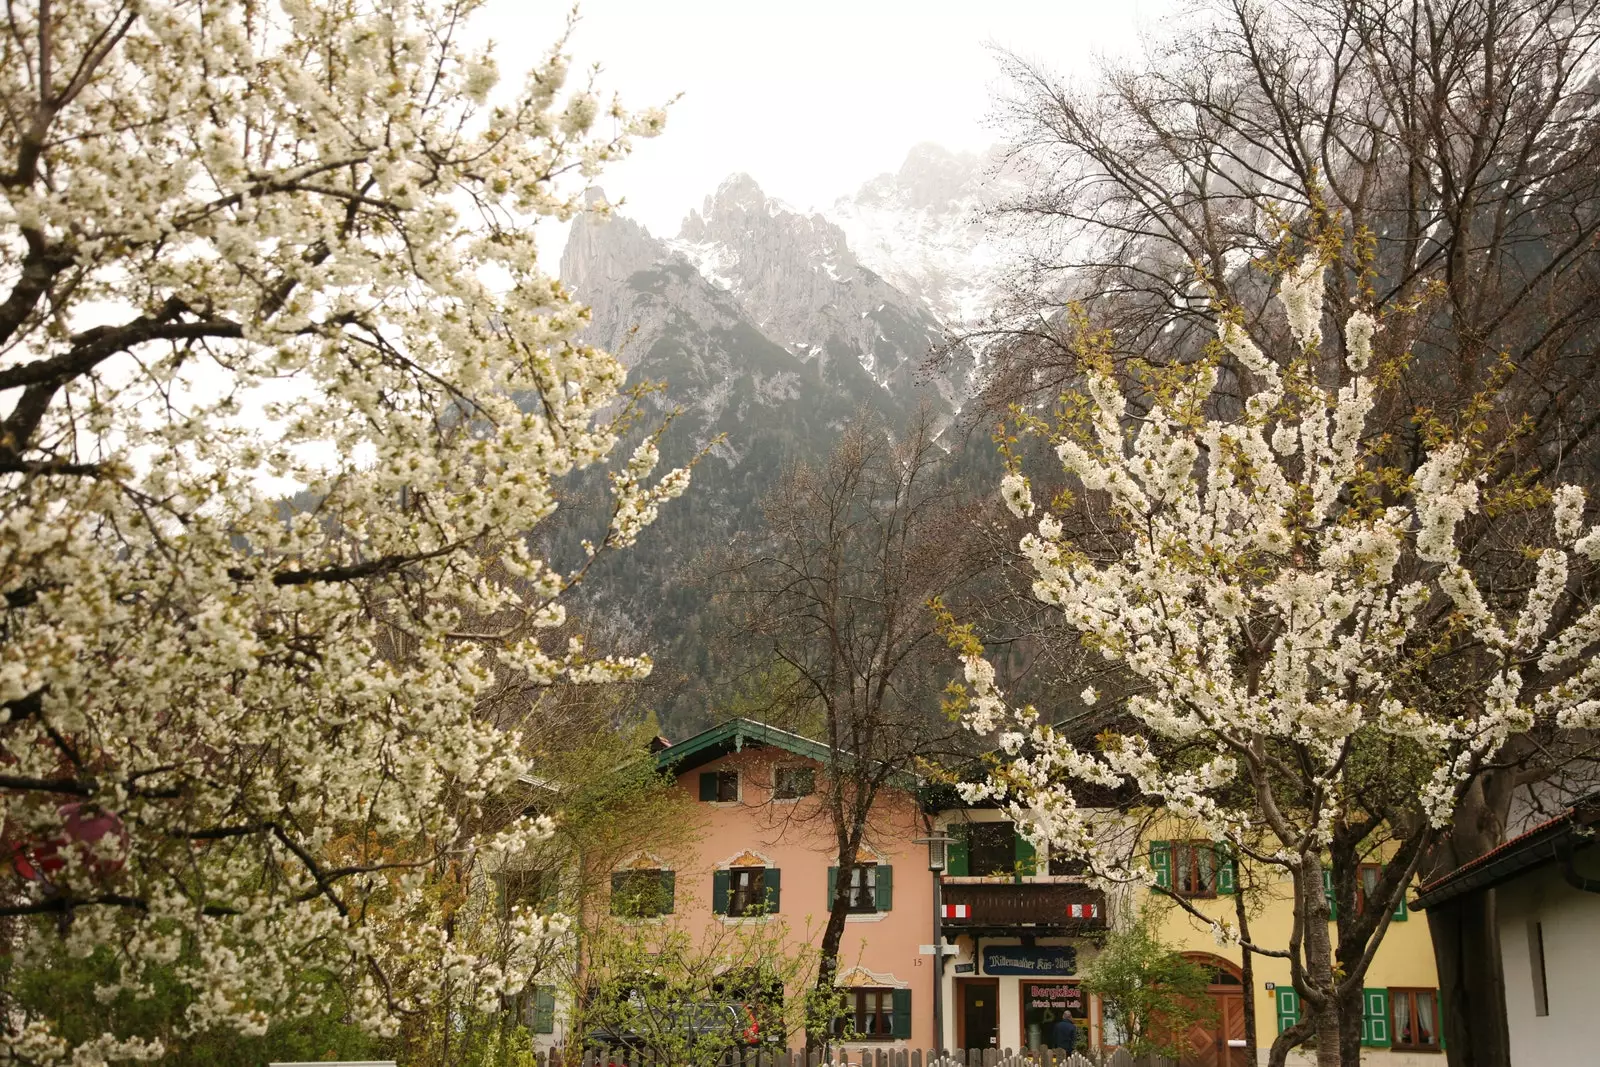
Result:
796,837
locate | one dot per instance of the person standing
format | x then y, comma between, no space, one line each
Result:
1064,1033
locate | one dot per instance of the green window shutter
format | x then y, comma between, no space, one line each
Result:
1327,891
1375,1017
544,1011
708,785
956,859
900,1023
1027,857
616,893
669,891
1399,915
1288,1007
721,890
1227,870
833,886
883,887
772,878
1161,863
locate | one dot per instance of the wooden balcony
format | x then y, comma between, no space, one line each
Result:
1067,907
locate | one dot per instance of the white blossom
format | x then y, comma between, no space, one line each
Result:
288,249
1358,331
1568,502
1301,295
1014,491
1253,609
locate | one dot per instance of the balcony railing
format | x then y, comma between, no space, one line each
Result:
1068,905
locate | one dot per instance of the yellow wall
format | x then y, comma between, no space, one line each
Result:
1404,959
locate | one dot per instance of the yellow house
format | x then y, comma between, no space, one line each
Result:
1400,1027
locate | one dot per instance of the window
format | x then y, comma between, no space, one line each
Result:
1194,868
747,892
1061,863
868,887
759,993
992,848
864,887
642,894
868,1015
538,1009
1415,1017
528,889
719,787
1541,989
1045,1002
794,782
1367,876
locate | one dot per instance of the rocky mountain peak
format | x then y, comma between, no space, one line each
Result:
801,284
932,178
922,228
605,247
750,224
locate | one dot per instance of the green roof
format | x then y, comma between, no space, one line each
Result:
735,735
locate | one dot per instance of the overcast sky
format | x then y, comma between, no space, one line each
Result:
812,97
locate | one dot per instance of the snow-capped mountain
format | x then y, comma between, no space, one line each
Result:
768,332
923,229
801,284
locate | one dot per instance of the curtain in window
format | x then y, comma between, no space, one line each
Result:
877,1014
1425,1031
1402,1020
1207,858
862,882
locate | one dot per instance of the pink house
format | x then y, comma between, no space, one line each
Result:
1013,924
764,838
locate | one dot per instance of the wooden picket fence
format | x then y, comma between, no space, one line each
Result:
871,1057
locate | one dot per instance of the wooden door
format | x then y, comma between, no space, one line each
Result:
979,1016
1207,1042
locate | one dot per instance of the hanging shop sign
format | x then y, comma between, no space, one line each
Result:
1040,959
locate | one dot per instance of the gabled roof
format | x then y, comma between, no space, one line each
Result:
1536,847
735,735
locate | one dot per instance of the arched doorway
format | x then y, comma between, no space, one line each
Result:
1218,1042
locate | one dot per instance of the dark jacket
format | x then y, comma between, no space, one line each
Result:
1064,1034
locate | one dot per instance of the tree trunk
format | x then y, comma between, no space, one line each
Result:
828,963
1466,943
1318,948
833,933
1350,1013
1466,949
1247,975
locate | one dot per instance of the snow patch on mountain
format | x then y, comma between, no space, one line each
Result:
923,230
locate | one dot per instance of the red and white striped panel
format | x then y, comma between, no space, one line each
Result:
957,911
1083,911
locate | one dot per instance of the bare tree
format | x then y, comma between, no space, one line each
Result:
838,594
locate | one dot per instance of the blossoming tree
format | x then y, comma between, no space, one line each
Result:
1282,601
248,250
